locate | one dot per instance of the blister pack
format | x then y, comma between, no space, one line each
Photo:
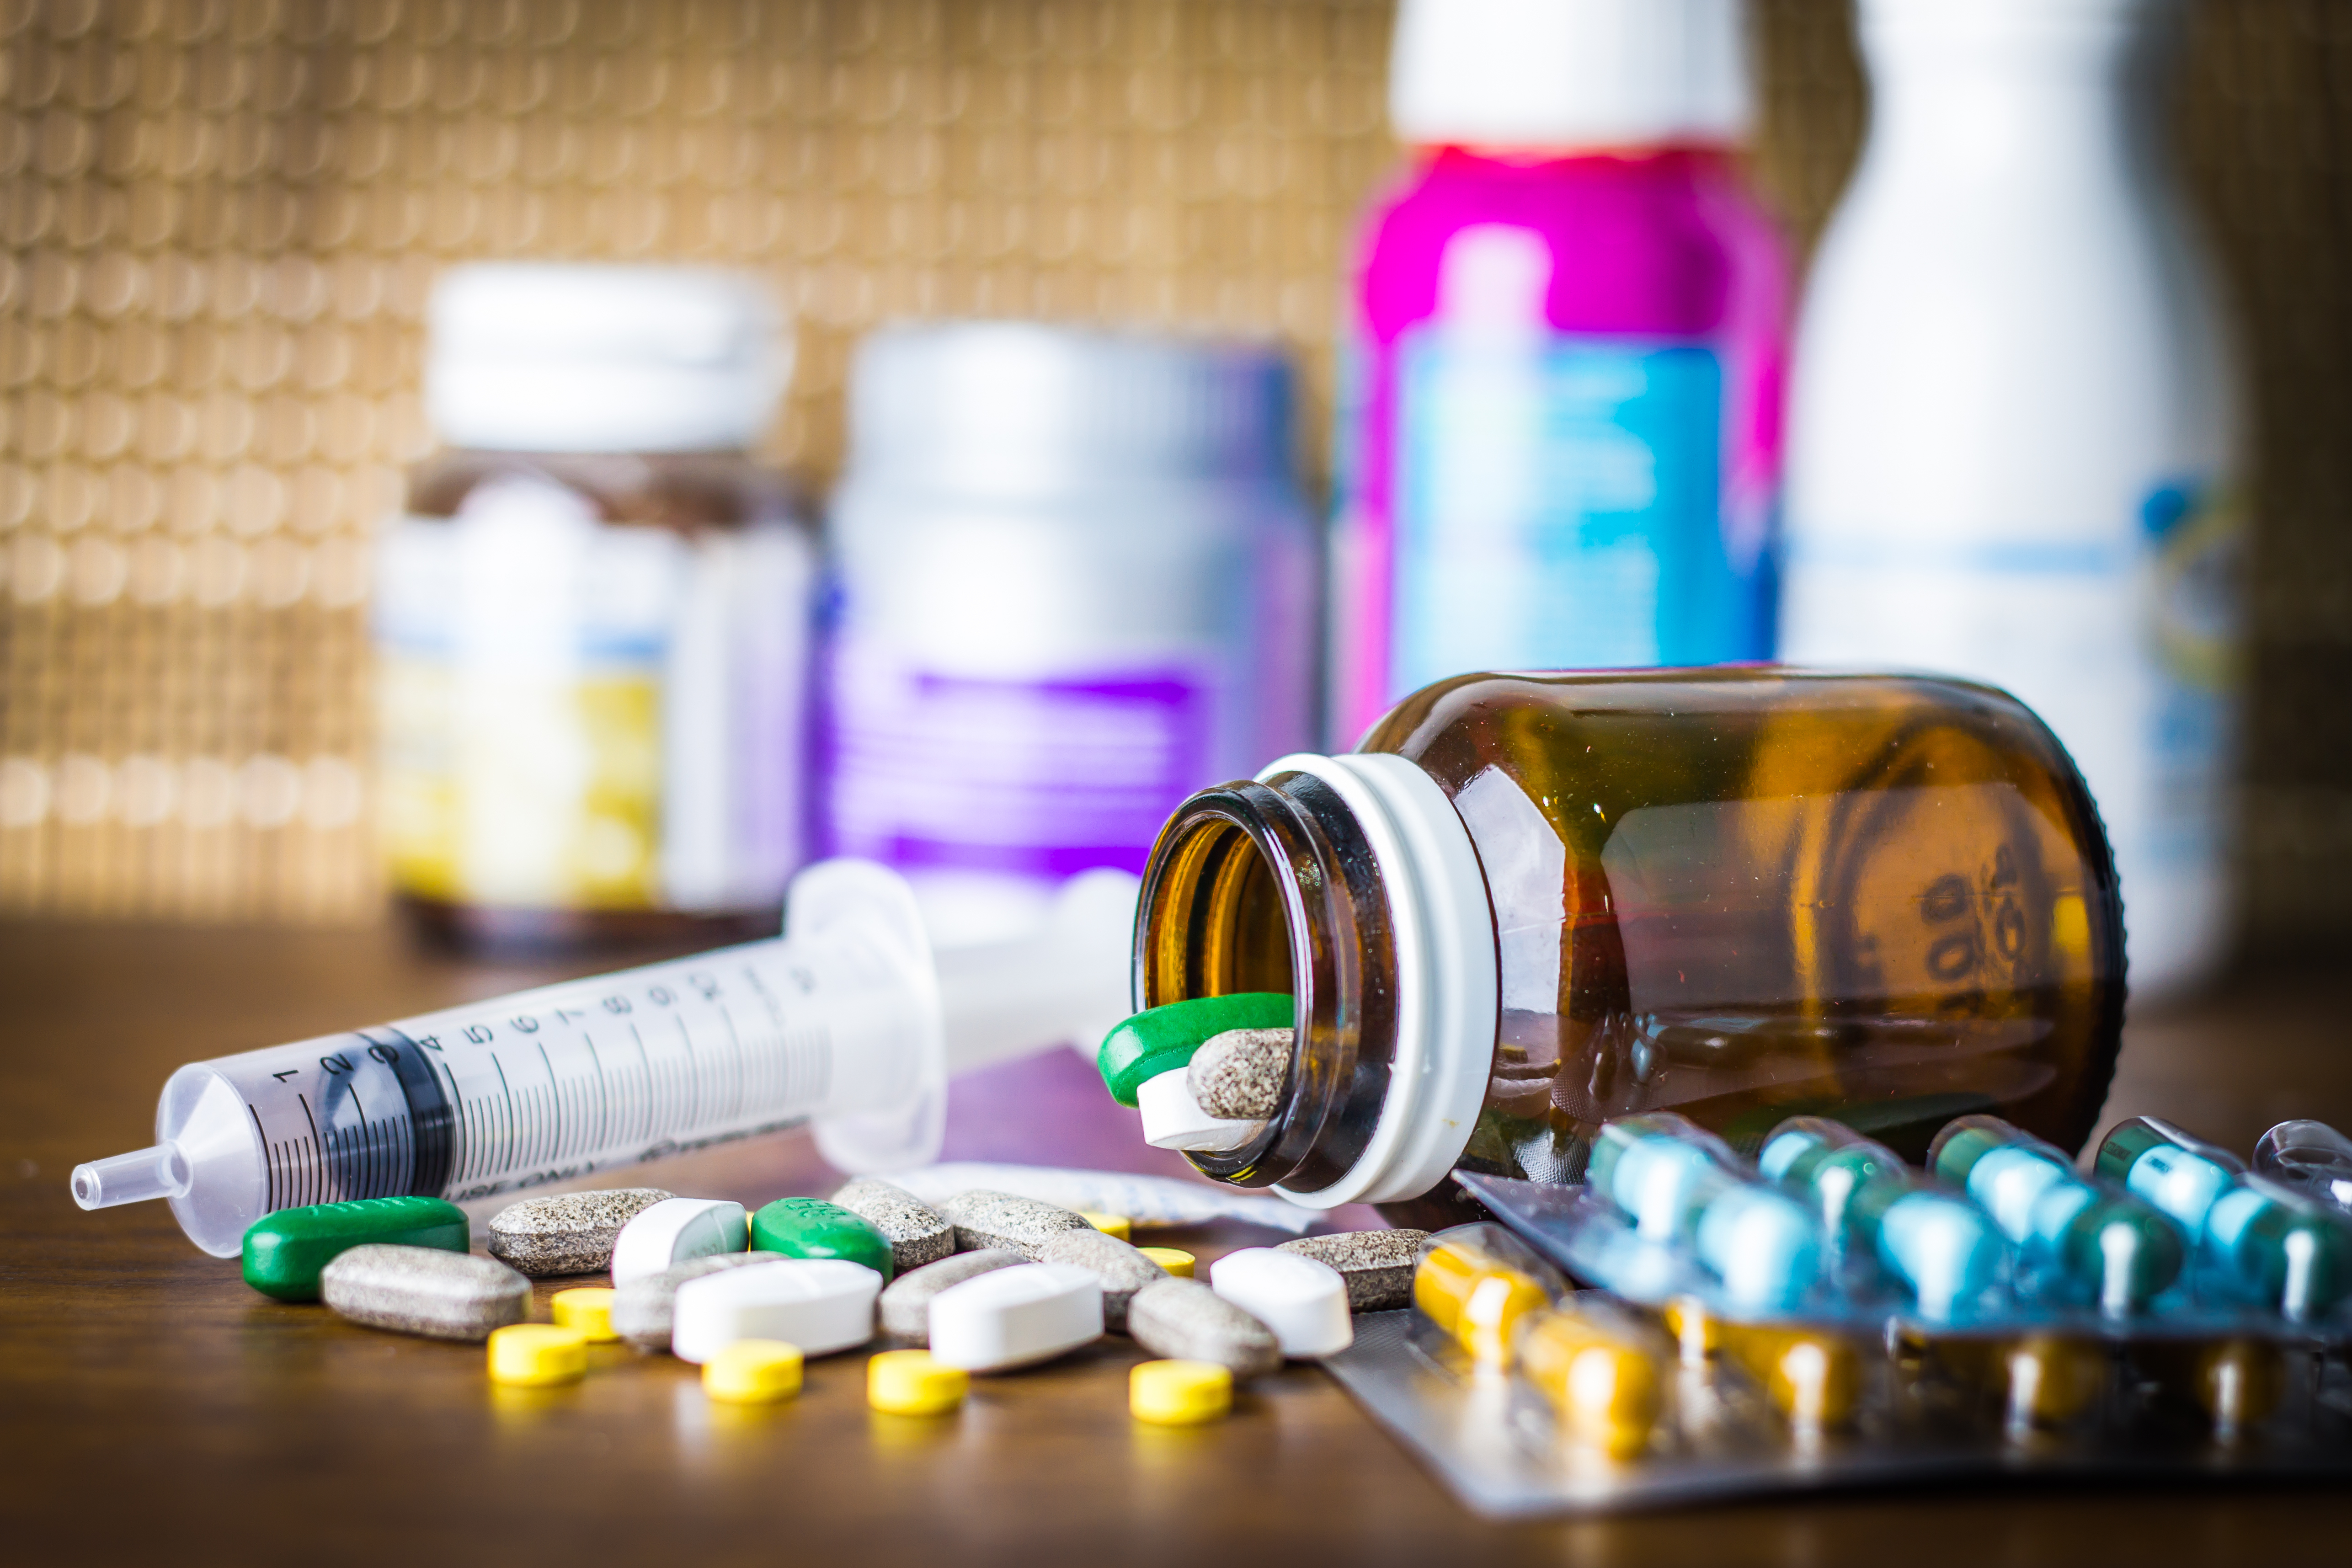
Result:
1828,1316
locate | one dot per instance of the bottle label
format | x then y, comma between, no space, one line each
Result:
580,716
2125,650
1041,777
1558,505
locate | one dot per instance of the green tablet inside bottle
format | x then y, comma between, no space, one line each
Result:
1531,903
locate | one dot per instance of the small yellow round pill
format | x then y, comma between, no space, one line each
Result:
1180,1393
536,1355
1174,1260
754,1372
909,1382
1116,1225
589,1309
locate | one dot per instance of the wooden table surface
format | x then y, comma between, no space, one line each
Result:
153,1406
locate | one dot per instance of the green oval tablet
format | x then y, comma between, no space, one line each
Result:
1162,1039
812,1227
285,1251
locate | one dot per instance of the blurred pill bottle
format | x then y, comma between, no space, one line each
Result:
2014,439
1076,581
1531,903
1559,420
592,624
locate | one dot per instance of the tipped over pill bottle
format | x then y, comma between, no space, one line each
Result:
591,626
1531,903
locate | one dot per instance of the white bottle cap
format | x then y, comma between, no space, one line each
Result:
526,357
1561,74
1016,407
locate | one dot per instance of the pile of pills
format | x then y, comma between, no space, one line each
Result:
986,1282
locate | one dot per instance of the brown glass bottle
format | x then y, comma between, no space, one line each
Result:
1739,893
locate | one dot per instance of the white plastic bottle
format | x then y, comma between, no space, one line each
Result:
2013,436
1075,583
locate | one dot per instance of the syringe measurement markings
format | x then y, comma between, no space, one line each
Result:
693,1080
507,1101
744,1066
603,1092
651,1090
555,1100
461,1125
776,1020
656,1078
317,1143
269,1156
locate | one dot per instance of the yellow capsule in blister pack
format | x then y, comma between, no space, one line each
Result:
1812,1376
1475,1297
2237,1382
1603,1381
2034,1381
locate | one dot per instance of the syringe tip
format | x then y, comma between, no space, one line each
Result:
135,1177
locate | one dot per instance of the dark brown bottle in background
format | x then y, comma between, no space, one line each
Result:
593,624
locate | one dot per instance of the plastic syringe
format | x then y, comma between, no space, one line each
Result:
849,1021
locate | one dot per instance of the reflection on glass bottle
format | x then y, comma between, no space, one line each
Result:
1742,894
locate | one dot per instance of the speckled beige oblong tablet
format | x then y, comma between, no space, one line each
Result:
1183,1320
984,1219
904,1310
569,1233
1376,1264
425,1290
643,1309
917,1233
1238,1076
1122,1269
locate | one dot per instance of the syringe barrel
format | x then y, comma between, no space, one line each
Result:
554,1084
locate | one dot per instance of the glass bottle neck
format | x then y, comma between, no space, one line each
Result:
1350,883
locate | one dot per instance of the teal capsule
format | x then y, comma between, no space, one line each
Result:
1825,1165
1944,1250
2180,1174
1680,1183
2084,1241
2259,1241
2281,1249
1661,1169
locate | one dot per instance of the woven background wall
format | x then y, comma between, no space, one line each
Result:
218,223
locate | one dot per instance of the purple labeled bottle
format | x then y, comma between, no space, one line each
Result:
1075,583
1561,402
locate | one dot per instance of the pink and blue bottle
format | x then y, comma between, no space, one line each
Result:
1560,397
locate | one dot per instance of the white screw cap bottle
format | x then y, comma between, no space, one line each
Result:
2013,430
